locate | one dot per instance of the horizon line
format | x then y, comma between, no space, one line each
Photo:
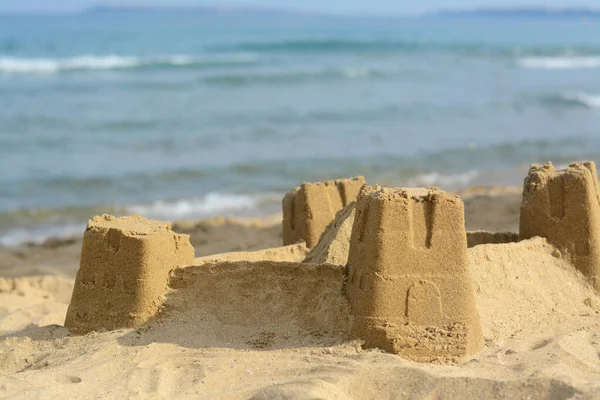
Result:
231,8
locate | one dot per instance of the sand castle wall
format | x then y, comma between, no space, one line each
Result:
563,207
291,253
408,282
259,304
308,209
123,272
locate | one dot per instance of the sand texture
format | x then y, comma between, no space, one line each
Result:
261,329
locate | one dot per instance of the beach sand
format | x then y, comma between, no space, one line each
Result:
540,321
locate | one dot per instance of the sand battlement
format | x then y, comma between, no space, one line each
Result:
427,218
132,225
549,170
309,208
416,194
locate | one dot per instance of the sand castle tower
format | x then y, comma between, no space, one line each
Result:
309,208
563,207
123,273
408,282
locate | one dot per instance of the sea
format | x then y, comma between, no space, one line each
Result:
185,114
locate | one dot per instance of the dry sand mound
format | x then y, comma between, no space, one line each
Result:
526,289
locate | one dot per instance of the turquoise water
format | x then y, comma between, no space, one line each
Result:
186,116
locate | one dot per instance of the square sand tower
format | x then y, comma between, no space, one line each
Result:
308,209
562,206
123,272
408,281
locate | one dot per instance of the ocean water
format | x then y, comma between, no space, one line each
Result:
185,115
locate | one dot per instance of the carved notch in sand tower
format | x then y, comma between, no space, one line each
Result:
408,283
562,206
308,209
123,272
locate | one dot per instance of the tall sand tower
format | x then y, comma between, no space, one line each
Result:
408,282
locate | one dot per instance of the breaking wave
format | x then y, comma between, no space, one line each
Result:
437,179
559,62
42,225
12,65
575,99
40,235
212,204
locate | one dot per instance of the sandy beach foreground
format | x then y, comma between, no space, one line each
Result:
540,321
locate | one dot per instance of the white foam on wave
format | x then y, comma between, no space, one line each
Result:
582,98
13,65
212,204
445,181
40,235
559,62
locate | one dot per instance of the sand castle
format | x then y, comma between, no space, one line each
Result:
563,206
408,283
397,259
123,272
309,208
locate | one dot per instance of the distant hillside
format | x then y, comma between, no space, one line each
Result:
269,12
210,10
525,13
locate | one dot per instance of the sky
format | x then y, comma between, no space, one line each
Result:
380,7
